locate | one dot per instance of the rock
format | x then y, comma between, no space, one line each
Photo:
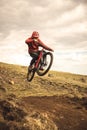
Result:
50,75
11,82
3,89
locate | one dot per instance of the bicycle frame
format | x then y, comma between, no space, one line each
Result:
38,60
31,72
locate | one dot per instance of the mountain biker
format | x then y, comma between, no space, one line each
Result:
34,43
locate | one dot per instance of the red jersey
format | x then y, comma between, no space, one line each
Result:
33,45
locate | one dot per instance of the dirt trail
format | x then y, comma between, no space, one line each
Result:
68,114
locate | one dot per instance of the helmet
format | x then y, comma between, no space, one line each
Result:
35,34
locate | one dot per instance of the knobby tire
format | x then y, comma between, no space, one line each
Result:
30,74
49,66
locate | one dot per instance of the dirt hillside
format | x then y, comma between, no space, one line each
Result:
57,101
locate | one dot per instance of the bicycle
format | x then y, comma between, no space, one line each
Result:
44,60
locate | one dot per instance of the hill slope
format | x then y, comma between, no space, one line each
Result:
57,101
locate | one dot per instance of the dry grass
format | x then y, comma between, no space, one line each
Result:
54,83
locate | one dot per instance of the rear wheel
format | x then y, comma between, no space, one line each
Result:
31,73
47,66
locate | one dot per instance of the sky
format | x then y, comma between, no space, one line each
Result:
62,25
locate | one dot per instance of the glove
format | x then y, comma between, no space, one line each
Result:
52,50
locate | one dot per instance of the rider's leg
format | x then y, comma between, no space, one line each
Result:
34,57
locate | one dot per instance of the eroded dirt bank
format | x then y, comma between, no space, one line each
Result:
67,114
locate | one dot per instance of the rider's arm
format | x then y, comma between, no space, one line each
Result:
44,46
29,40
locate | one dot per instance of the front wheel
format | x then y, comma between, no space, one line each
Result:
30,74
47,66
